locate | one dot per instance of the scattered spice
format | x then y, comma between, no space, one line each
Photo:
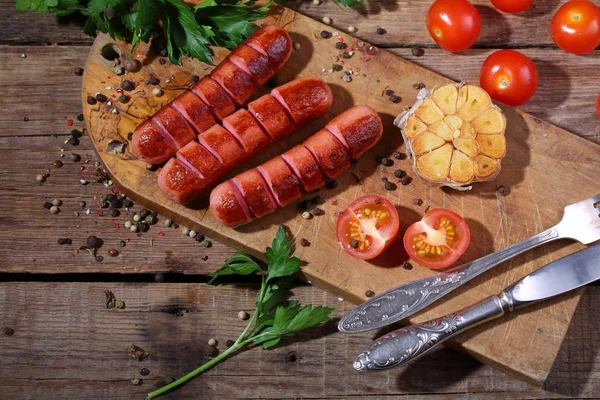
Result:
74,157
316,2
113,252
54,210
306,215
336,67
206,243
406,265
57,202
417,51
381,31
120,304
351,28
111,300
78,71
132,65
340,45
153,81
326,20
317,211
417,201
40,178
399,156
157,92
91,100
354,243
8,331
137,352
503,190
419,86
389,92
389,186
47,205
406,181
377,200
101,98
347,78
399,173
210,351
304,242
395,99
212,342
386,162
94,242
136,381
369,293
123,98
127,85
144,372
325,34
243,315
80,117
122,243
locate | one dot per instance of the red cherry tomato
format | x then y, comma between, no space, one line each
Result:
509,77
453,24
576,27
598,107
512,6
367,226
438,240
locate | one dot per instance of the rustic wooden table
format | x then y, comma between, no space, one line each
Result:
60,342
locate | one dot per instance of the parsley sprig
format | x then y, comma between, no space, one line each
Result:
186,31
274,316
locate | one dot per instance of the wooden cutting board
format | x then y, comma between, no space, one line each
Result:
546,168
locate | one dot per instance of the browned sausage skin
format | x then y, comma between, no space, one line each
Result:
242,135
360,128
229,85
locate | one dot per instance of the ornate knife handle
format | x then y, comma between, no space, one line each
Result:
407,344
405,300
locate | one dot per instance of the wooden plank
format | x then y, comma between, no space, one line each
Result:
566,96
29,242
495,221
66,344
404,22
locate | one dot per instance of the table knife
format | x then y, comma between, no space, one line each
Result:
580,222
408,344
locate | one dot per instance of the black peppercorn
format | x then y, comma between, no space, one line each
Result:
332,184
78,71
47,205
406,181
346,55
381,31
143,213
340,45
407,265
57,163
73,141
386,162
144,372
395,99
113,252
325,34
127,85
153,81
318,211
91,100
79,117
417,201
127,203
194,78
503,190
369,293
399,156
101,98
9,331
304,242
26,119
389,92
417,51
399,173
337,67
123,98
162,61
94,242
122,243
61,241
390,186
354,243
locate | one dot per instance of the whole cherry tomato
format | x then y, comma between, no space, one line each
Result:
576,27
453,24
512,6
509,77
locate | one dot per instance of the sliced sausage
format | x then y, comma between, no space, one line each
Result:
195,111
271,115
284,184
151,145
223,145
216,98
304,99
302,165
274,42
253,63
247,131
226,204
174,125
329,152
356,128
230,83
254,189
238,84
179,182
202,160
305,166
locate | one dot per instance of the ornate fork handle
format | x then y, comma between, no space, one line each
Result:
407,344
405,300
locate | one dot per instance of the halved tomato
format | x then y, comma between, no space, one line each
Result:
367,226
437,240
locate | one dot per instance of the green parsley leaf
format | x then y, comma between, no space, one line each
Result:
239,263
144,17
278,257
348,3
184,34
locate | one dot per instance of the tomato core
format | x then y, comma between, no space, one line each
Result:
365,228
435,242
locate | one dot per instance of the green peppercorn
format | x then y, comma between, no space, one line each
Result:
120,304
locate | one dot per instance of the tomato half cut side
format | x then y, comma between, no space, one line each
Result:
367,226
437,240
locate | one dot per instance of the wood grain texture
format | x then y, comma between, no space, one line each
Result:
495,221
67,345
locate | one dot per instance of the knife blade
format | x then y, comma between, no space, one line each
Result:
410,343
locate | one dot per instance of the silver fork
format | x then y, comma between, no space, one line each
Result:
581,222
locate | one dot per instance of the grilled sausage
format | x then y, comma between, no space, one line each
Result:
242,135
229,85
300,169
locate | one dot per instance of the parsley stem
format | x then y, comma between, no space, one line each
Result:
207,365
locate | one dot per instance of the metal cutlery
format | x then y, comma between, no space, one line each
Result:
407,344
580,222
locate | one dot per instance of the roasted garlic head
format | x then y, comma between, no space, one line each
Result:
455,135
